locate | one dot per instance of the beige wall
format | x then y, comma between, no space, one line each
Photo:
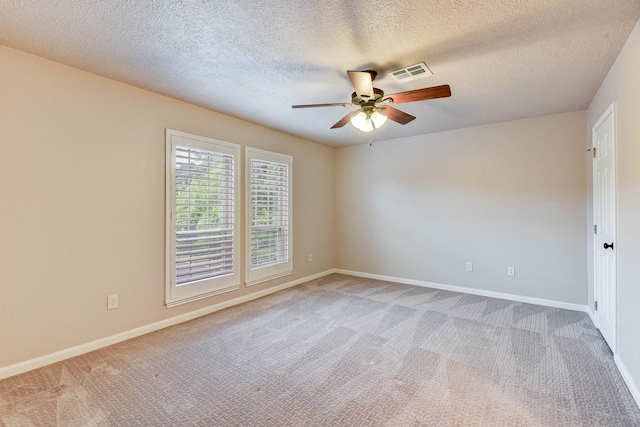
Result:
506,194
622,86
82,172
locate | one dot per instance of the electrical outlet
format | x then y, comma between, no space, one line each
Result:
112,301
468,266
511,271
310,257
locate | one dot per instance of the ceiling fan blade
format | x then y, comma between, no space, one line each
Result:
362,82
420,94
396,115
341,104
345,119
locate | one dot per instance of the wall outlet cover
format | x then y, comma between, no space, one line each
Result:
112,301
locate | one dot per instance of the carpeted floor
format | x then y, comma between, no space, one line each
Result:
341,351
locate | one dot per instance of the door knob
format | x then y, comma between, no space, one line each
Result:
607,245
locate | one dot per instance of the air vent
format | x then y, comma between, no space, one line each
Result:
412,72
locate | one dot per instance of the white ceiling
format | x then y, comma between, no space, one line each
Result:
253,59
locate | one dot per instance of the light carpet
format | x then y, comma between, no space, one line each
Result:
341,351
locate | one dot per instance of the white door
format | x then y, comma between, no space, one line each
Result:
604,213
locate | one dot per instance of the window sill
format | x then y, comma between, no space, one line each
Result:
267,278
186,300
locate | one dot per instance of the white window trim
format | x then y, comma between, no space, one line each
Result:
253,277
177,295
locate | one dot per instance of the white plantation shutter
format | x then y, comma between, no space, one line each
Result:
204,214
269,215
202,217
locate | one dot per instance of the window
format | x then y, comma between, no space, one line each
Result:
202,238
268,202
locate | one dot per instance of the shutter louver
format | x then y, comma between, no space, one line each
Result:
269,213
204,215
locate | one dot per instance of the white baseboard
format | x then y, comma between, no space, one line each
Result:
472,291
38,362
628,379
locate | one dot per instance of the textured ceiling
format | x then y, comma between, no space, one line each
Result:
253,59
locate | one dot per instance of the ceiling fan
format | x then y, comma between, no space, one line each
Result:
374,106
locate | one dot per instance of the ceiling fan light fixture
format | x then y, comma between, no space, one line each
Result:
367,121
362,121
374,111
359,119
378,119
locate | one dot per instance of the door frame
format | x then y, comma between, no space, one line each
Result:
609,111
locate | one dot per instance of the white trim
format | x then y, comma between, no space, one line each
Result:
175,294
38,362
628,379
267,278
592,315
263,274
471,291
171,304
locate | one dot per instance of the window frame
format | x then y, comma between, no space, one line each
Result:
263,274
199,289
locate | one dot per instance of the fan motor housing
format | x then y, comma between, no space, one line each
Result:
377,97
